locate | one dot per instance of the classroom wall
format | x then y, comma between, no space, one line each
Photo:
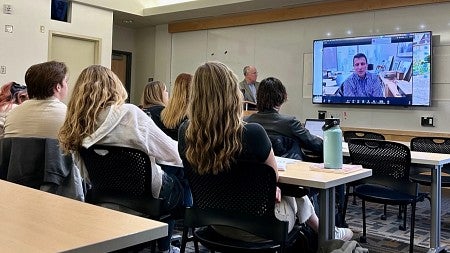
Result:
283,50
27,45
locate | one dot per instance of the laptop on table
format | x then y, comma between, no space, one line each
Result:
314,126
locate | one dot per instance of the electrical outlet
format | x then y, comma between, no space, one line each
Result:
427,121
3,70
7,9
321,114
9,28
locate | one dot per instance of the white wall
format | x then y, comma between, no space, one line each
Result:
283,50
27,45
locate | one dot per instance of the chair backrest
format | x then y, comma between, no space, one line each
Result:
118,170
241,197
390,162
120,176
430,144
247,188
362,134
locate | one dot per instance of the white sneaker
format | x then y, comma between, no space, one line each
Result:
343,234
174,249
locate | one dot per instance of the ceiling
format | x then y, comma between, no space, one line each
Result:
199,9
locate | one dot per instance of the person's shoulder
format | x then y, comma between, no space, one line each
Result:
284,117
253,127
130,109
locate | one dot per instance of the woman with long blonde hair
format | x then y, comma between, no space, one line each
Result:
175,112
154,100
97,114
215,138
155,93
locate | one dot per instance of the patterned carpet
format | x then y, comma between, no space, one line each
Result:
384,235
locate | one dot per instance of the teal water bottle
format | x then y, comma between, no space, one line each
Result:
332,144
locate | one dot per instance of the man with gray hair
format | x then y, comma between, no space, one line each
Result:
249,86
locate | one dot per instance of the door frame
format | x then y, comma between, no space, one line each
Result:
127,71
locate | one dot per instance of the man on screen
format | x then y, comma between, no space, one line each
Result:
362,83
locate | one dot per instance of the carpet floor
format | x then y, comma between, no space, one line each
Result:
385,236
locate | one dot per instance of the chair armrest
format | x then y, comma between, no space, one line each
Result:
293,190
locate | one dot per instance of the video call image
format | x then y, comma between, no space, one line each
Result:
384,69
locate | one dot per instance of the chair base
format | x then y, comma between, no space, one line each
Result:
212,240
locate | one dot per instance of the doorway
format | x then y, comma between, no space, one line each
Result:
121,66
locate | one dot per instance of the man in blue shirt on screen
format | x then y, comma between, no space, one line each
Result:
362,83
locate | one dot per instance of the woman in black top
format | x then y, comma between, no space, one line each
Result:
216,137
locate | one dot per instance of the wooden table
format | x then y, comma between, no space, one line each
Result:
437,160
299,173
36,221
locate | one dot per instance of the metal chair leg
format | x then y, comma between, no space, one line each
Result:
363,238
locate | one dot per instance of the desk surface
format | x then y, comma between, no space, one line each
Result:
33,220
299,173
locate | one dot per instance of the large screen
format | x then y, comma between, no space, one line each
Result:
392,69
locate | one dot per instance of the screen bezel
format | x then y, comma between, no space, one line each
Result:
405,101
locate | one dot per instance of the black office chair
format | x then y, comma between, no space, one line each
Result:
389,184
242,198
430,145
350,134
121,176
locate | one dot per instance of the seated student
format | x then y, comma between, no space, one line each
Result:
41,117
288,136
97,114
175,112
43,114
215,137
154,100
271,96
11,95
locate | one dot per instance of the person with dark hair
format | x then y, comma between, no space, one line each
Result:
43,114
249,86
288,136
271,96
362,83
11,95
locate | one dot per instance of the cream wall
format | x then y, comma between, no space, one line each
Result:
284,49
27,45
124,40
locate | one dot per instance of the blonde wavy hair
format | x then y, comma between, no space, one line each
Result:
214,134
175,111
97,88
153,94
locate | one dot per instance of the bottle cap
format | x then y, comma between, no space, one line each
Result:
329,123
